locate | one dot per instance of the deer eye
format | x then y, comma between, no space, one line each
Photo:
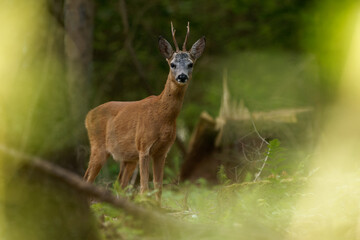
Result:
172,65
190,65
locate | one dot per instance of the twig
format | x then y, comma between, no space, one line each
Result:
257,175
256,131
129,47
243,151
118,62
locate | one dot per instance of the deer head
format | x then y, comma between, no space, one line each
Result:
181,62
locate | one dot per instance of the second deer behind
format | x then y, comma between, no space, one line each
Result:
137,131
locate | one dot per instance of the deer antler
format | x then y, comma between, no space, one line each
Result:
186,38
173,36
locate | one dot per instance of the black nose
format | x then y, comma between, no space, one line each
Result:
182,78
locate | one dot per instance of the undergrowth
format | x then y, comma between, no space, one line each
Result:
275,208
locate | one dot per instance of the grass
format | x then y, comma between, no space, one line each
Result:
276,208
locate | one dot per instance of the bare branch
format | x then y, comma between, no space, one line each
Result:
243,151
257,175
88,189
186,37
173,36
256,131
151,218
130,49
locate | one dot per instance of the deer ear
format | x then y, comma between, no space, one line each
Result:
165,48
198,48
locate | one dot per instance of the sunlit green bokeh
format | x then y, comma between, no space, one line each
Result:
34,110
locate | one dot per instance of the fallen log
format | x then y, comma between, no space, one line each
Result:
239,140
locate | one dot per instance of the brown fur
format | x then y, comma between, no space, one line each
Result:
133,131
137,131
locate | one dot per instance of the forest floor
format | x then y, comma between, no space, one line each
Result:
275,208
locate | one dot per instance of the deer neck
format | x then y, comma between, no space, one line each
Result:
171,98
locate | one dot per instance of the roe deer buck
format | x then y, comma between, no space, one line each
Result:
136,131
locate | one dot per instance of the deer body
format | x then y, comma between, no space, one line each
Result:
137,131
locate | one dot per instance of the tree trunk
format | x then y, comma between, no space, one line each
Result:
201,162
78,23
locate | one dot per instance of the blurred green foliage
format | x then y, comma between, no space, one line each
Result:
270,209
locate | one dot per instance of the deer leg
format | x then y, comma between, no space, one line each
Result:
144,159
97,160
121,172
158,173
126,173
